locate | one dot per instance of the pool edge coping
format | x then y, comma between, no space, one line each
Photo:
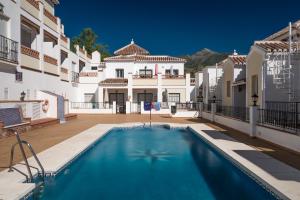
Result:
95,135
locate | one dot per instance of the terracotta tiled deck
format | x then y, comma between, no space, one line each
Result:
46,137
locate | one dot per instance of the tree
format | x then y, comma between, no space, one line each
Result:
88,39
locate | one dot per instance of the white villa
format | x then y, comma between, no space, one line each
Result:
212,85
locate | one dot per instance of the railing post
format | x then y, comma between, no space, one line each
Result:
253,120
114,107
213,111
200,109
128,107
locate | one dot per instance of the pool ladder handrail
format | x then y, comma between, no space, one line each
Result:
20,143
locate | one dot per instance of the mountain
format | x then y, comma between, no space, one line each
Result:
202,58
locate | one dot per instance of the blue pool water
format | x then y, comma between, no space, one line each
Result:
151,163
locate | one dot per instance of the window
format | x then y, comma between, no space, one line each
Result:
168,72
81,65
228,88
5,93
94,68
254,85
27,35
120,73
174,97
19,76
146,73
175,72
146,97
63,56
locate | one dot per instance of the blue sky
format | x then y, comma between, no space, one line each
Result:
176,27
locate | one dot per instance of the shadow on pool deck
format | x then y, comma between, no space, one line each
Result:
46,137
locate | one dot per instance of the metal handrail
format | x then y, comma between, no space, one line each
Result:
20,143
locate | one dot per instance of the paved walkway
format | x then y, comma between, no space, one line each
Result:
47,137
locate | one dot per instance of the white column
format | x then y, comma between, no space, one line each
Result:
200,109
253,120
128,107
213,111
142,107
187,87
130,93
159,89
100,94
114,111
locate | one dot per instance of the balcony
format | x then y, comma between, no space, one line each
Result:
64,74
30,58
173,80
64,41
144,80
8,50
32,7
50,20
50,65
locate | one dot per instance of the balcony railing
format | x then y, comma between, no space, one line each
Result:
91,105
50,60
34,3
188,106
63,38
30,52
50,16
88,74
8,49
169,76
75,77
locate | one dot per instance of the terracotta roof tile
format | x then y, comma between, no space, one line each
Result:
114,81
144,58
238,59
130,49
276,46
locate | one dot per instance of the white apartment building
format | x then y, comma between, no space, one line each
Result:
35,56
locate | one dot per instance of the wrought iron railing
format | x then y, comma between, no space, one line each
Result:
283,106
188,106
281,119
241,113
75,77
207,107
91,105
8,49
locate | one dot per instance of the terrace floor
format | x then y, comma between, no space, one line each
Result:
46,137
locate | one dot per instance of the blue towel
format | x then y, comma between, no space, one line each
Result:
157,106
147,106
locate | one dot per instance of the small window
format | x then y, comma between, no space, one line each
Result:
94,68
254,85
175,72
228,89
174,97
168,72
120,73
63,56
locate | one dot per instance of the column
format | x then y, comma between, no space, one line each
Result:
187,87
159,89
128,107
253,120
213,111
114,111
129,89
100,94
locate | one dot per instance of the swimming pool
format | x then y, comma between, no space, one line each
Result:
151,163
